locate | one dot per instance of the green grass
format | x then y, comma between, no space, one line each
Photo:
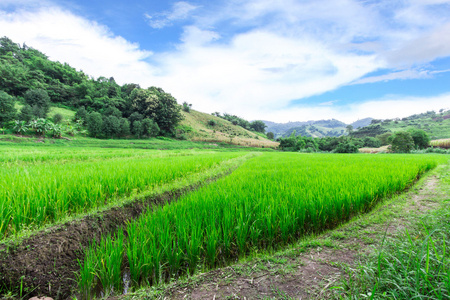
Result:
415,264
38,189
271,200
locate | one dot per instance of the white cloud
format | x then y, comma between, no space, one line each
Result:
83,44
256,70
398,107
180,11
253,57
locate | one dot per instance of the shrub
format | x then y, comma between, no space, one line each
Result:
57,118
39,100
212,122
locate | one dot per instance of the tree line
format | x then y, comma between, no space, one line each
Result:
401,142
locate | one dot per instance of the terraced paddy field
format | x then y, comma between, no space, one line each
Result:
92,222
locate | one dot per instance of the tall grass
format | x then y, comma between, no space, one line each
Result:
269,201
37,194
415,265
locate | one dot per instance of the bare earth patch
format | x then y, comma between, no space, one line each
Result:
308,270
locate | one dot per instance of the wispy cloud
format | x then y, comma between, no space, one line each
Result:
405,74
180,11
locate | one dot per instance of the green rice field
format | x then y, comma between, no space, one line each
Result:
39,186
271,200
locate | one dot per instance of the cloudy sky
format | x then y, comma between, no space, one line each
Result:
278,60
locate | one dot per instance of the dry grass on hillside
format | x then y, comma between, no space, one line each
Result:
197,128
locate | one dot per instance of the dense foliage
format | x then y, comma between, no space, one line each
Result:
30,77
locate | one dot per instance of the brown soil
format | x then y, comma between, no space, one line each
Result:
303,273
45,263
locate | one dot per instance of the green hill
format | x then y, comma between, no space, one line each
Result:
437,125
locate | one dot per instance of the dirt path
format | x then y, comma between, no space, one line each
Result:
309,269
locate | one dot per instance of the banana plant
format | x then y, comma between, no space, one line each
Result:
20,127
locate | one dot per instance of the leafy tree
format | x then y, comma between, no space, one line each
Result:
371,142
81,114
346,147
7,109
420,138
270,135
258,126
39,100
124,127
349,129
95,124
402,142
138,129
187,107
158,105
112,111
150,128
135,117
384,138
110,126
26,113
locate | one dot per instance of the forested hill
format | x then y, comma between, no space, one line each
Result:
31,84
435,124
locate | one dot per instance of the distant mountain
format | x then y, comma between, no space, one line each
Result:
321,128
361,123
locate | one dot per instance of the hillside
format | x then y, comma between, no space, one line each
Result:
437,125
196,127
320,128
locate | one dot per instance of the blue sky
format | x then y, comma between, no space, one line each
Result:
278,60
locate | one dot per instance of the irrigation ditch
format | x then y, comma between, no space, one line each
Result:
46,263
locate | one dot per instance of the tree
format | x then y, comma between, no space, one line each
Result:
371,142
150,128
346,147
135,117
384,138
138,129
158,105
81,115
420,138
7,109
402,142
258,126
124,127
26,113
270,135
110,126
39,100
349,129
95,124
187,107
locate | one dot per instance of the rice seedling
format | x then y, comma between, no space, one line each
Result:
32,195
269,201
